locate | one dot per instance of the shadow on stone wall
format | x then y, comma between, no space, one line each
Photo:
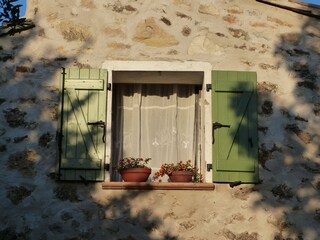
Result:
289,152
37,206
119,215
126,221
290,163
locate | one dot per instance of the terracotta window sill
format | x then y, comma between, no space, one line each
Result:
157,186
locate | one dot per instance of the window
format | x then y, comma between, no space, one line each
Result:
159,120
153,90
163,110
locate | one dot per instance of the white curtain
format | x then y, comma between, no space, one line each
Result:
160,121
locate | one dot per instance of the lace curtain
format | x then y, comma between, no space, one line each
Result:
160,121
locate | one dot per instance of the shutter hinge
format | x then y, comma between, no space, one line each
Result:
209,167
235,183
208,87
109,86
107,166
63,71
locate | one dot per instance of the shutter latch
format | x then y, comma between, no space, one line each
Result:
215,126
102,125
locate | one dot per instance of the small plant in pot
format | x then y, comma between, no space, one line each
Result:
180,172
134,169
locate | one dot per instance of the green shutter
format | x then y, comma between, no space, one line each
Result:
81,124
235,147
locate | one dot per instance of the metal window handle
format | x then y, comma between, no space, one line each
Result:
102,125
215,126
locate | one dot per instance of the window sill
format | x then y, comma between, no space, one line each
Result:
157,186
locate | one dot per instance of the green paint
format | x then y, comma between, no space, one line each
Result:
235,150
85,96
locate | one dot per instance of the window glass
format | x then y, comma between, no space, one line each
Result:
159,121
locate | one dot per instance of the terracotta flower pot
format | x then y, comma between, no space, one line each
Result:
181,176
135,174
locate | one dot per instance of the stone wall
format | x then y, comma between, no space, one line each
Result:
281,46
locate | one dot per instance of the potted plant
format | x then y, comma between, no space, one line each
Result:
134,169
180,172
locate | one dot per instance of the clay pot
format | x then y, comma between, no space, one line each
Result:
181,176
135,174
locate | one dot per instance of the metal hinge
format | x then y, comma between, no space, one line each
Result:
107,166
208,87
209,167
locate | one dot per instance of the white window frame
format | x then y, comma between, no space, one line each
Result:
188,66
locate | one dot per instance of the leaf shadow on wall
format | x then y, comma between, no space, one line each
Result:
289,139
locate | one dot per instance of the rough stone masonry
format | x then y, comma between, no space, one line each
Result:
283,47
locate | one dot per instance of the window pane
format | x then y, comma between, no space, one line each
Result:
155,120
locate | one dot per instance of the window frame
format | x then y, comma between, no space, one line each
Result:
158,66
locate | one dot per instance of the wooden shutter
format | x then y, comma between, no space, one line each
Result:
234,115
82,124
